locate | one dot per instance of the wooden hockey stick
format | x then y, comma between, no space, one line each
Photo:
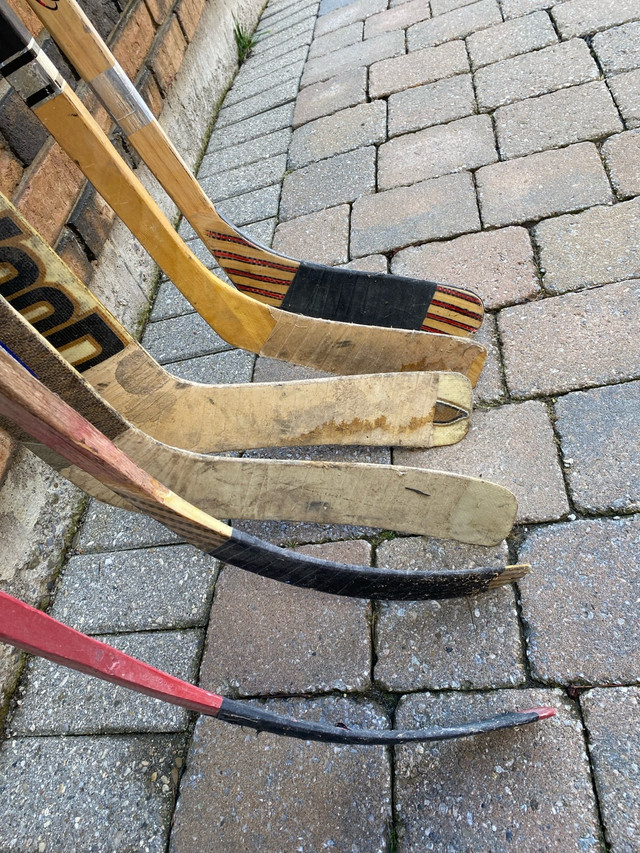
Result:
302,287
37,411
325,344
394,498
39,634
409,409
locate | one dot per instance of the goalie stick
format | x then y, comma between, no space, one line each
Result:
403,409
410,500
37,411
324,344
306,288
37,633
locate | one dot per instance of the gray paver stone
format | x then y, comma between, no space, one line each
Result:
430,210
286,21
261,80
557,119
497,265
528,789
582,17
618,49
353,56
599,435
439,7
321,237
339,179
463,144
612,718
372,263
541,185
456,24
490,387
343,131
537,73
85,793
566,247
169,302
416,68
435,103
511,38
250,128
108,528
141,590
622,156
336,39
181,337
463,643
59,701
282,42
269,638
248,791
572,341
337,93
582,603
221,368
512,445
399,17
257,104
516,8
252,151
252,206
253,176
356,11
626,91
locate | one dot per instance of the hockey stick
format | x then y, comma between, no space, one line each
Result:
409,409
324,344
37,411
39,634
305,288
394,498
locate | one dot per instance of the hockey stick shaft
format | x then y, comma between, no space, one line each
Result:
40,413
35,632
311,289
326,345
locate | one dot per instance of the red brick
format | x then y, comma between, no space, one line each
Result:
28,18
169,54
150,91
159,10
10,172
189,13
57,180
74,256
134,41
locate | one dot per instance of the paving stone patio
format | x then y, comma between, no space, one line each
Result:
489,144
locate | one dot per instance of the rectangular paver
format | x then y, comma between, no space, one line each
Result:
336,93
572,341
355,55
517,8
252,151
618,49
399,17
357,11
536,73
557,119
334,181
512,445
254,176
498,265
583,17
622,157
355,127
511,38
541,185
321,237
626,91
180,338
430,210
456,24
566,245
435,103
336,39
463,144
581,606
416,68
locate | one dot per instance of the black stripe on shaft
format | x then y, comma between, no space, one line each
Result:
19,62
40,95
349,296
244,714
14,36
254,555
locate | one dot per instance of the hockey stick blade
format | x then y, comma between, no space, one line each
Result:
35,410
302,287
324,344
403,409
35,632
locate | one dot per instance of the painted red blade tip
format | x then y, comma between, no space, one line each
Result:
543,713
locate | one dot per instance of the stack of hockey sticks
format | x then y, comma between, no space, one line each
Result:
86,336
